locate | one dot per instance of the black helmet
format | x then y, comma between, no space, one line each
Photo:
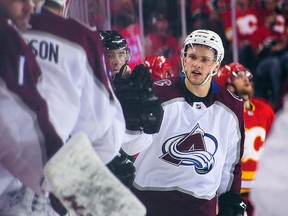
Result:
112,40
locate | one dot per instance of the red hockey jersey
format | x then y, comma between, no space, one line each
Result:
257,125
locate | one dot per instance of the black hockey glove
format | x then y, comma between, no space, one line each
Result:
127,94
142,108
123,169
231,204
142,76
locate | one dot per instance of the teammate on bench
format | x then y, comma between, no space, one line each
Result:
141,107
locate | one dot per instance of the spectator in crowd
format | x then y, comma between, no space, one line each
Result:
270,51
125,21
195,157
220,8
150,7
171,7
248,19
272,6
162,42
199,14
258,118
124,12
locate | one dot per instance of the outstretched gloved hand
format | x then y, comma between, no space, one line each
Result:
142,108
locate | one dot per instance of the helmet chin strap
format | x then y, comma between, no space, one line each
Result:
209,76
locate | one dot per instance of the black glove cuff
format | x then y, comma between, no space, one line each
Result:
231,204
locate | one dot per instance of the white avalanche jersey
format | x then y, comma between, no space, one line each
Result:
27,137
198,147
76,86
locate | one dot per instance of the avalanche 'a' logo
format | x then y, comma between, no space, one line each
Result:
196,148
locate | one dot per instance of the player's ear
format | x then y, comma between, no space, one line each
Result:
231,88
217,67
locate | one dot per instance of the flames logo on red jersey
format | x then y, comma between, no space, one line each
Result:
195,148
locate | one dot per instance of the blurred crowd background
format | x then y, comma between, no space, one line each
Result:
254,32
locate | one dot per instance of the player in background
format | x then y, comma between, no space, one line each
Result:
134,89
195,156
118,56
258,118
117,52
27,138
159,67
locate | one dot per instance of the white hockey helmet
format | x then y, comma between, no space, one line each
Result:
62,3
206,38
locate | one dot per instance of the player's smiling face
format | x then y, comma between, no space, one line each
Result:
199,63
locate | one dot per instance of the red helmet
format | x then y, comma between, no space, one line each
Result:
159,66
226,73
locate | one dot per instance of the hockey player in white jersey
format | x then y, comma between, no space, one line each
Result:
194,159
77,90
27,137
76,86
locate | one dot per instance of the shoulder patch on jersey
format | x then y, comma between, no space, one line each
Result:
235,96
163,82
